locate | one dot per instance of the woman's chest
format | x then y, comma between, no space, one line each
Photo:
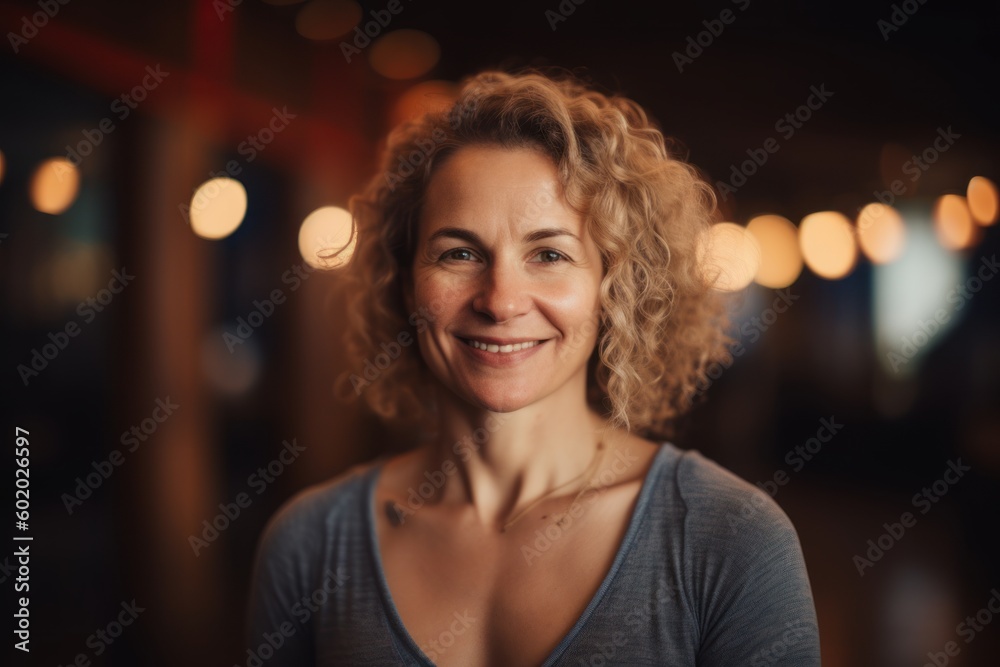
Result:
468,599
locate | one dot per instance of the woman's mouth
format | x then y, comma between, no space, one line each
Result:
500,349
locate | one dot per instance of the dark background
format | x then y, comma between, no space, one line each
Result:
130,538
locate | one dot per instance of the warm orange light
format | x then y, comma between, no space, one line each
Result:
983,200
881,233
404,54
425,97
218,207
54,185
780,258
953,222
327,19
827,242
729,256
323,232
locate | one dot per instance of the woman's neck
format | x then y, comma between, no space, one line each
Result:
496,463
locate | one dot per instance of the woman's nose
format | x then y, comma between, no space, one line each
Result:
503,293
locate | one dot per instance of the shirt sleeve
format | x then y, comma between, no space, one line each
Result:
279,626
753,594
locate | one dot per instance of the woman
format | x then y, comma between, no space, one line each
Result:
538,242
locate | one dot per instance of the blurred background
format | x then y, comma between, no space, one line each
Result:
168,171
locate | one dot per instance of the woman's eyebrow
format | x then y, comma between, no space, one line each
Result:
549,232
472,237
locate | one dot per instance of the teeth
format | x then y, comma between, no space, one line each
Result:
501,349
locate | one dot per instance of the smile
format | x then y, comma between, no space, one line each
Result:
501,356
500,349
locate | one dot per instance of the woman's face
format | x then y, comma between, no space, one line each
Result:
500,258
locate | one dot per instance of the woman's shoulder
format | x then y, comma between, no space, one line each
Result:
321,504
740,565
717,502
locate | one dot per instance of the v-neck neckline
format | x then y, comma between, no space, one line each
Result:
389,606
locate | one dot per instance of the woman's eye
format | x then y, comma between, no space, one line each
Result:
451,253
549,256
552,253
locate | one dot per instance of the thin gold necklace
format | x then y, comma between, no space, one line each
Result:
590,467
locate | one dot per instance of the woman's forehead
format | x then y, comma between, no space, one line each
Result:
489,170
520,184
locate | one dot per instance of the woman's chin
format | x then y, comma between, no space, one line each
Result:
498,400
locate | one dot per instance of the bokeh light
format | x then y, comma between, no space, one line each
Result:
729,256
54,185
780,258
827,242
67,272
881,233
327,19
218,207
953,222
2,164
914,289
326,230
983,200
404,54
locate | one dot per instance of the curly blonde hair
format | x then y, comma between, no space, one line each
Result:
661,324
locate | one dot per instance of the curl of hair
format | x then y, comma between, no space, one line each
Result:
661,325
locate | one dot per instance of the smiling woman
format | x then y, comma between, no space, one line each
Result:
504,281
542,250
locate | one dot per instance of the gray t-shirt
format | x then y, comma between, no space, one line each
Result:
710,573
